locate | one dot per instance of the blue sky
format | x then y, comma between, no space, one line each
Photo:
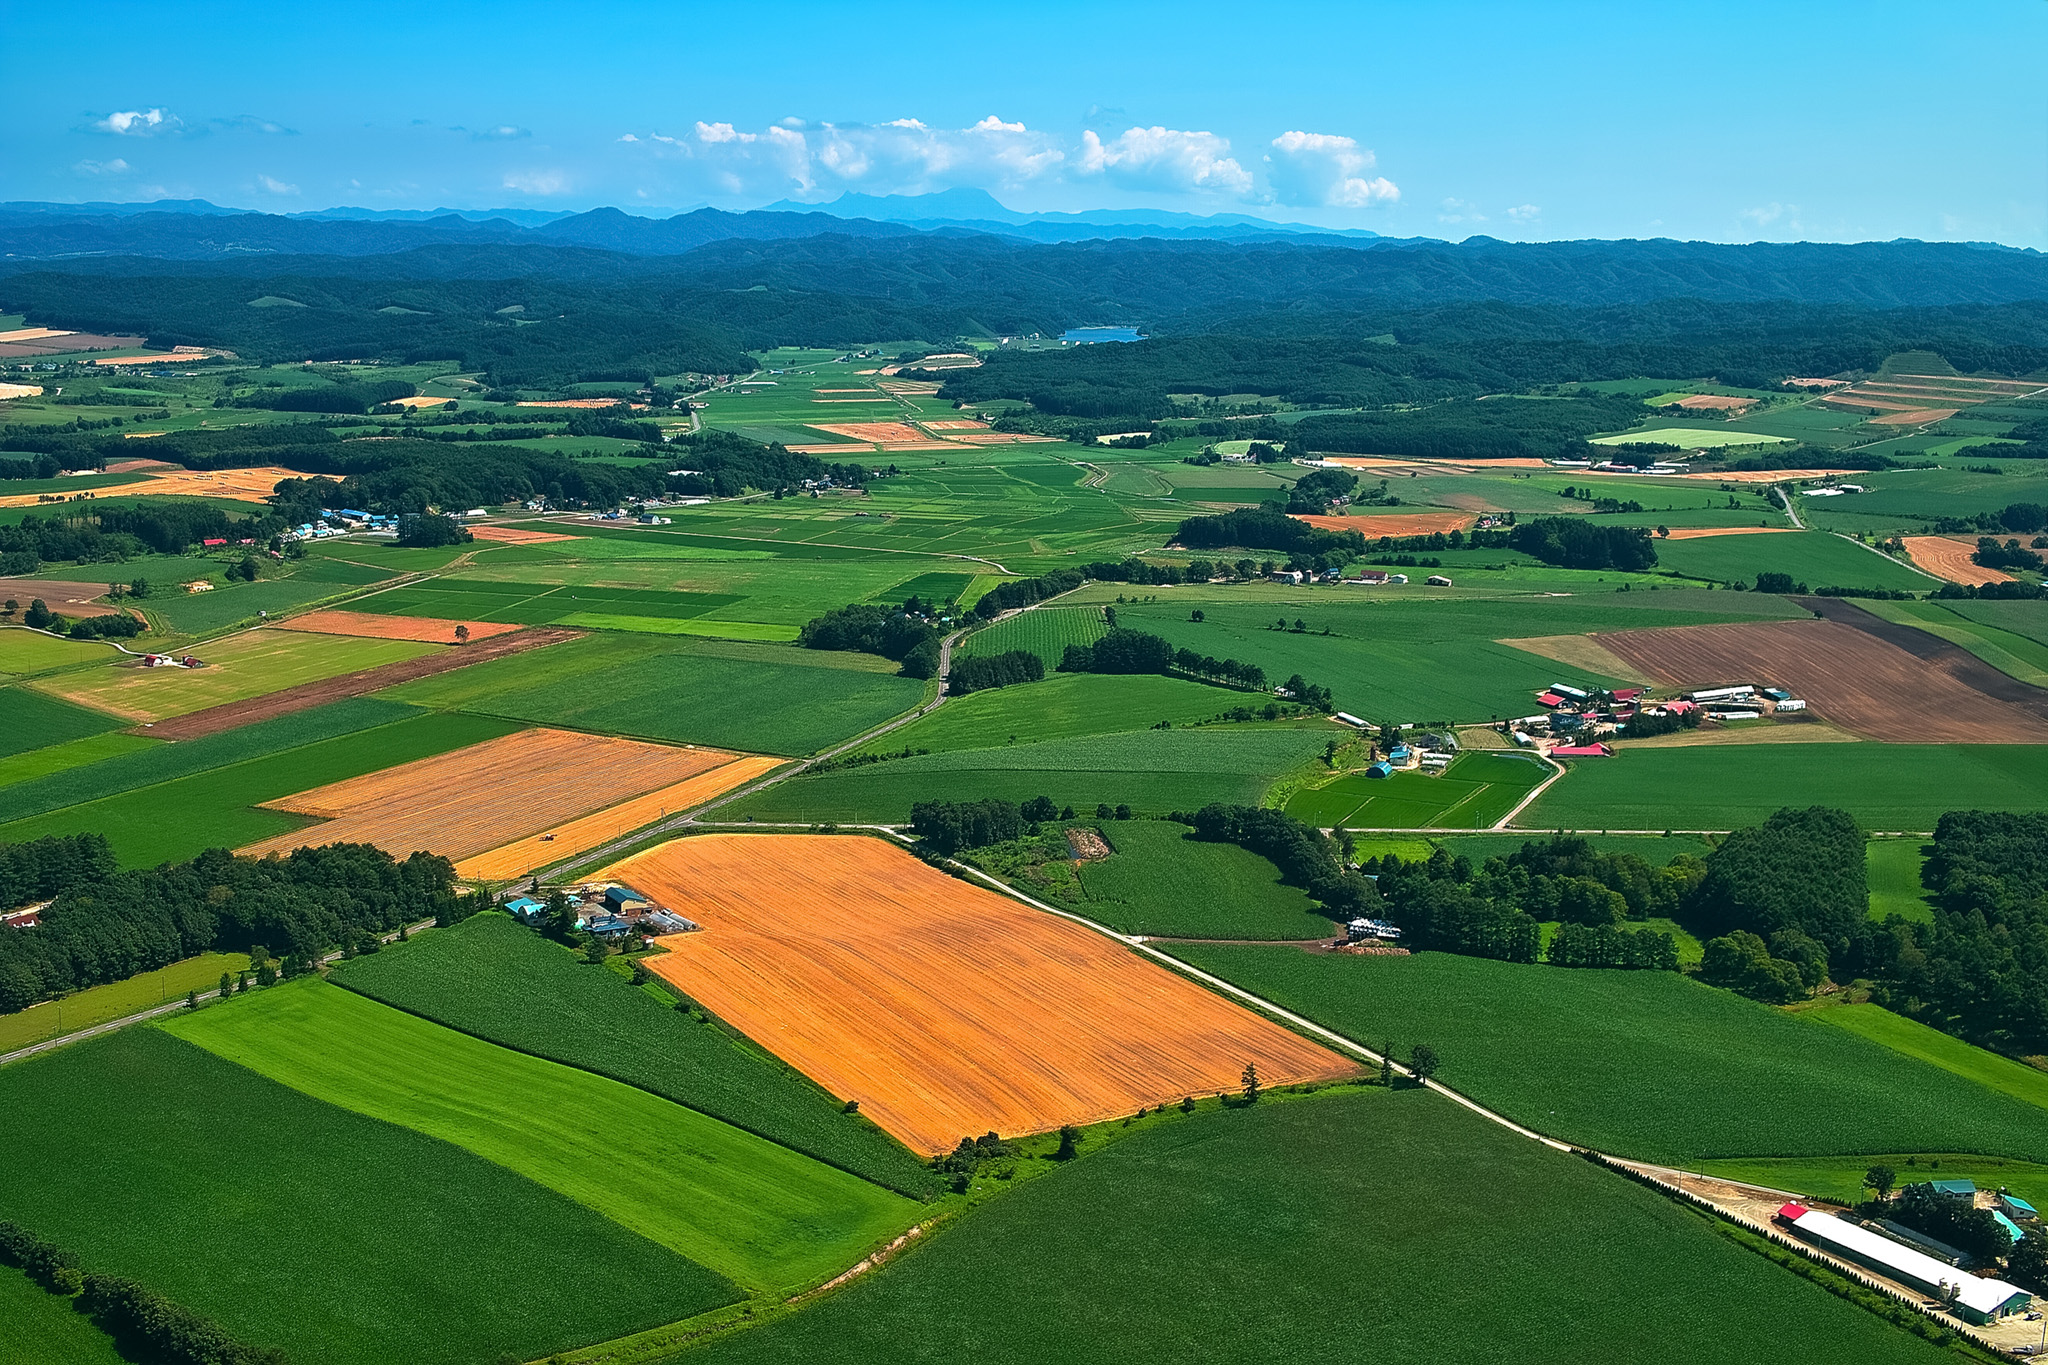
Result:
1730,122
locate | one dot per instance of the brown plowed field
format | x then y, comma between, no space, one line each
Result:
305,696
1852,678
63,596
462,803
563,841
1702,532
431,629
1372,527
1763,475
513,535
887,433
1951,559
1917,417
945,1009
1714,402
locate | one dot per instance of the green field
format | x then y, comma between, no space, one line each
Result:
2009,641
76,753
247,665
35,719
1643,1064
500,981
765,698
201,613
1046,632
664,625
42,1328
1152,771
1475,792
1062,706
757,1213
1885,786
1814,558
216,808
1654,849
117,999
341,1239
535,604
1895,888
1689,438
1936,1048
1163,881
149,762
24,651
1841,1178
1355,1225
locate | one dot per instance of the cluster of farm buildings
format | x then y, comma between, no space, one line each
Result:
1920,1262
1576,718
607,910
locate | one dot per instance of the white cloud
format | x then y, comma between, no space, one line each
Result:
1766,214
1325,170
902,156
504,132
1525,213
250,123
271,186
628,137
1164,159
1459,211
115,167
137,122
537,182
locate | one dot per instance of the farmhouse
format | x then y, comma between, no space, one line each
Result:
1362,928
2015,1207
1976,1300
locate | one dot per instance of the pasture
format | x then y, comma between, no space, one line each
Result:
1278,1203
36,719
47,1329
1062,706
2013,642
1894,871
1814,558
1644,1064
398,1246
1475,792
117,999
1887,787
755,697
1912,1039
943,1008
55,758
1689,438
171,821
757,1213
1152,771
1045,631
246,665
497,980
26,651
205,612
1162,881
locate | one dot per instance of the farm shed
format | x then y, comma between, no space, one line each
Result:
1380,769
618,897
1977,1300
1437,580
2012,1229
2015,1207
524,908
1954,1189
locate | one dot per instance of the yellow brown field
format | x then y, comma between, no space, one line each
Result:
944,1009
372,626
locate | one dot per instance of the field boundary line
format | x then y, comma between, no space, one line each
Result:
1903,563
1558,770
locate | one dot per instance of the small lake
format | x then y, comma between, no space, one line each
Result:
1083,335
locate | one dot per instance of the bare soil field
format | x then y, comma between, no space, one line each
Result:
307,695
1702,532
60,595
1372,526
512,535
1951,559
64,343
1714,402
887,433
587,832
1763,475
429,629
463,803
137,466
1816,383
1918,417
1851,677
1580,651
944,1009
241,485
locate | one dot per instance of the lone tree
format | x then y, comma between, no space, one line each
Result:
1070,1143
1387,1065
462,635
1251,1082
1423,1061
1881,1178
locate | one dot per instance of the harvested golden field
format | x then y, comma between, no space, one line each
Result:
944,1009
1703,532
485,796
1579,651
430,629
1951,559
563,841
1918,417
1764,475
1851,677
1372,526
889,433
253,664
513,535
1714,402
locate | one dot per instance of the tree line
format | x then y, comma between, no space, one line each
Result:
870,628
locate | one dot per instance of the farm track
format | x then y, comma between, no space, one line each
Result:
305,696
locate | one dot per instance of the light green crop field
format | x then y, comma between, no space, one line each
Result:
1814,558
1061,706
1644,1064
1917,1040
1152,771
1475,792
162,1162
27,651
204,612
1885,786
757,1213
41,1328
765,698
534,604
1045,631
1162,881
2023,656
1952,491
35,719
1689,438
661,625
1894,866
55,758
175,820
117,999
1458,1227
246,665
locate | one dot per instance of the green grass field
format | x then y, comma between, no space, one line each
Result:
36,720
30,651
1063,706
2018,652
31,764
41,1328
1475,792
117,999
1886,786
1689,438
1841,1178
1152,771
761,1215
247,665
535,604
1161,881
1354,1225
1930,1045
664,625
215,808
1814,558
500,981
294,1223
765,698
1894,866
201,613
1046,632
1644,1064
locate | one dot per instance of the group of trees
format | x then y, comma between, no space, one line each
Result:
949,826
1263,528
1136,651
1578,543
1305,855
105,925
981,673
428,530
93,532
870,628
1981,969
2011,555
351,395
1314,491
